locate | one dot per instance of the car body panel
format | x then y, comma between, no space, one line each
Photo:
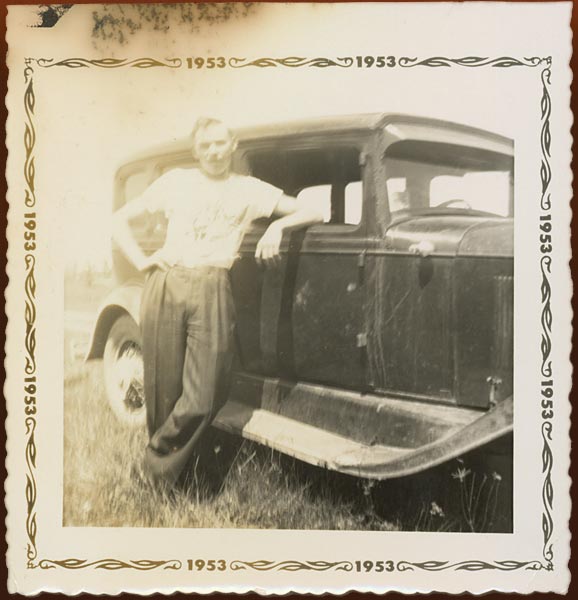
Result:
453,234
411,326
484,338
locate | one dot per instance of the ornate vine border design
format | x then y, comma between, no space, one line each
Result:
292,61
30,384
30,421
546,314
291,565
111,564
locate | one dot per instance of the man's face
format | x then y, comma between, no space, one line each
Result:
214,147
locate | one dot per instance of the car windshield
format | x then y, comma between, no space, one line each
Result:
431,178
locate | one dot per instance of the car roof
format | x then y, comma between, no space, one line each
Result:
400,126
361,122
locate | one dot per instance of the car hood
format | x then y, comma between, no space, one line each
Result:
456,235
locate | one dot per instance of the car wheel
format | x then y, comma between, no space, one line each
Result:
123,372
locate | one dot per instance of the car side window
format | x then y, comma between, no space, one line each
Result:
328,179
319,197
353,202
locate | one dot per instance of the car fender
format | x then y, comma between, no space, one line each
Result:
122,300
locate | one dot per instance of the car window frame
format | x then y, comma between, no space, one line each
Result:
396,216
357,141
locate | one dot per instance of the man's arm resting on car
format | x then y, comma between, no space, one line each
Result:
291,216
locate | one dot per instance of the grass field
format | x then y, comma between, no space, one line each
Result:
237,484
233,483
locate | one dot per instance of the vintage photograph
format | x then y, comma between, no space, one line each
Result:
288,279
338,290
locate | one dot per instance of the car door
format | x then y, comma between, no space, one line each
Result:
431,319
305,319
411,262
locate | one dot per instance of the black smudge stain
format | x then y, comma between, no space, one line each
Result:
118,22
50,14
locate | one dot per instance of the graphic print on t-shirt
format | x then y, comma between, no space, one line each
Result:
207,218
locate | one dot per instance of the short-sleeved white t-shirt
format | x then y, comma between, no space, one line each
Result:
207,218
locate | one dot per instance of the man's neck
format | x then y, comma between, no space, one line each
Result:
217,177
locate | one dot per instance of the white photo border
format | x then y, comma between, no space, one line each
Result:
544,239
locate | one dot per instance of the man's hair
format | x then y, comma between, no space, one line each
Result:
203,122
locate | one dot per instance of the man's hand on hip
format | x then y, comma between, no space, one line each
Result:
155,261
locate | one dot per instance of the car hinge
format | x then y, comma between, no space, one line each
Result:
362,159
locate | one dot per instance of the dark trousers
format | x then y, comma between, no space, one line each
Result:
187,321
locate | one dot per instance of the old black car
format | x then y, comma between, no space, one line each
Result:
383,343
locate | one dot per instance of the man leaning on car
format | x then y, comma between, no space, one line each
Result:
187,313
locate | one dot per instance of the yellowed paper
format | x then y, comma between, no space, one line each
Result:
399,411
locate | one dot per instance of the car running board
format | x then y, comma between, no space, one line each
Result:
323,448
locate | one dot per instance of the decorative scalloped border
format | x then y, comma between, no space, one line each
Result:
546,316
290,565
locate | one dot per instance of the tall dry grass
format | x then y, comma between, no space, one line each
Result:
233,483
